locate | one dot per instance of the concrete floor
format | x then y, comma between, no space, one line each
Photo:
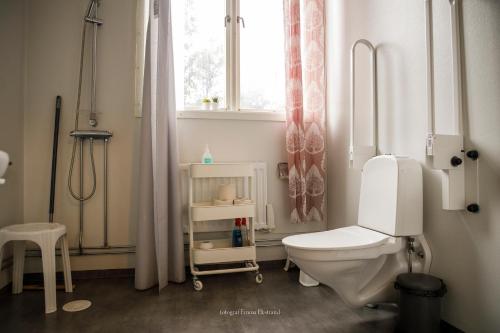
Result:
118,307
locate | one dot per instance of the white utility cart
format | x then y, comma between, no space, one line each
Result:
222,250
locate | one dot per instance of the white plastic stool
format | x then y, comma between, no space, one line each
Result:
46,235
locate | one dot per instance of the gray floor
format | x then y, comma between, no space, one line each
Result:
118,307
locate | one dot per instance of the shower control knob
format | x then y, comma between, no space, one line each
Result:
455,161
93,122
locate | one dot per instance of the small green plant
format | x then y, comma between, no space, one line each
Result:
206,100
215,99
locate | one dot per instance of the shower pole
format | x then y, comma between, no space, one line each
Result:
80,239
92,18
106,245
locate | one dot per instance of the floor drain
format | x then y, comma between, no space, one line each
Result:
75,306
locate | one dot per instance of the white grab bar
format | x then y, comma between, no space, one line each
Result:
456,72
430,67
457,67
447,150
360,154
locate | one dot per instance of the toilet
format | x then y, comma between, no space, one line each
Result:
361,262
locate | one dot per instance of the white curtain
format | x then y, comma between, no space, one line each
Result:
160,247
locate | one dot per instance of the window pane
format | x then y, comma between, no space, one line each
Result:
199,39
262,60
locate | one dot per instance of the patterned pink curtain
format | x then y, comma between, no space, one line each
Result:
305,108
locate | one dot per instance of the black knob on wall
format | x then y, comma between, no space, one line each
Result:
473,154
456,161
473,208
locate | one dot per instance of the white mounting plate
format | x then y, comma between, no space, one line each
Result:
442,148
453,188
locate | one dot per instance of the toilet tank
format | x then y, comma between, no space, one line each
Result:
391,196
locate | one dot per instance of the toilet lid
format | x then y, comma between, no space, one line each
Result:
354,237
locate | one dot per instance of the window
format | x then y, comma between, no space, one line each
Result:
231,51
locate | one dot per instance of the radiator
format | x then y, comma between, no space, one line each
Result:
205,189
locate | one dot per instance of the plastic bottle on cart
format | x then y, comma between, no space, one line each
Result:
244,232
237,238
207,157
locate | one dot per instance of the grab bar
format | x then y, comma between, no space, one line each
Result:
358,155
429,75
446,151
457,67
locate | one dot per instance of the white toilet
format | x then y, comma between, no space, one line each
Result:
361,262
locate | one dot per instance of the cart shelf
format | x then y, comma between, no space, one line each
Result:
205,211
222,252
221,170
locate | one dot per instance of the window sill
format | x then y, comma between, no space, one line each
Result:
232,115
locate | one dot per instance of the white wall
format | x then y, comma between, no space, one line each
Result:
242,140
11,112
53,36
465,246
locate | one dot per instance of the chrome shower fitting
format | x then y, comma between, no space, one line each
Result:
80,136
91,17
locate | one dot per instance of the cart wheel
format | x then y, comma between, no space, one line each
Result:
259,278
197,285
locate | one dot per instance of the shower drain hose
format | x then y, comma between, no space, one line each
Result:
77,115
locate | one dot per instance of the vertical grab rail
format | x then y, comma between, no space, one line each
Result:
447,150
429,75
362,153
456,72
457,67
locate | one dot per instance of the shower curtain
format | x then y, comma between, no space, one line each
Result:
305,108
160,246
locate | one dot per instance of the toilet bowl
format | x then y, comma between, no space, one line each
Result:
361,262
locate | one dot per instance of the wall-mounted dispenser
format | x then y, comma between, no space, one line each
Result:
447,151
359,154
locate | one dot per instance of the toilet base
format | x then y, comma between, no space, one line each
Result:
307,281
359,282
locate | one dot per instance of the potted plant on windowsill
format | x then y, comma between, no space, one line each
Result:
206,103
215,103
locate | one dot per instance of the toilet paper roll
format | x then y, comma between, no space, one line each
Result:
226,192
206,245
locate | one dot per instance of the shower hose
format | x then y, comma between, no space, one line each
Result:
91,141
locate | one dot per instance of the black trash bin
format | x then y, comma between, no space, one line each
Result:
420,302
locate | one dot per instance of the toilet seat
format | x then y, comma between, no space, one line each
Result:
347,238
348,243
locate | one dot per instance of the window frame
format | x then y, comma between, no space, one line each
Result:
233,76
